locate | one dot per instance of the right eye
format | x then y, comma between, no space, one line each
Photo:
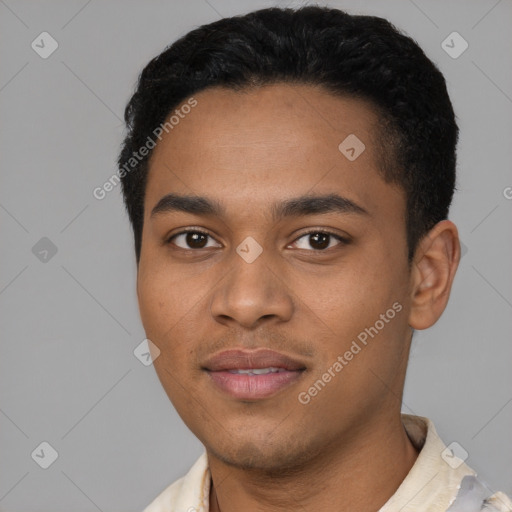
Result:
191,239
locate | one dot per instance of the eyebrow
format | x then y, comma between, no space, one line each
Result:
295,207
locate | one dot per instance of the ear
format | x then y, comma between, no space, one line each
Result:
433,269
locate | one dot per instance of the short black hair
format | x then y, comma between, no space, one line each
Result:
364,57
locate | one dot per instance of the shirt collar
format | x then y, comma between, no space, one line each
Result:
434,479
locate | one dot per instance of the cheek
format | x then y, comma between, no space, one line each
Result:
347,294
346,302
171,310
163,310
159,305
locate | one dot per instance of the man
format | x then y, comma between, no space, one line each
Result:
288,175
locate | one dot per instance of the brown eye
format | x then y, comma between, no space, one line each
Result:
319,240
191,240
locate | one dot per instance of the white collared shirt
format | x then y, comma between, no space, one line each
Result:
431,485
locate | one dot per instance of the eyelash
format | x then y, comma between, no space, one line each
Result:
341,239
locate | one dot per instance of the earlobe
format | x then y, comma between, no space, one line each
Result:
435,263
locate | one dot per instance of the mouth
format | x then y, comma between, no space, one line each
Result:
253,375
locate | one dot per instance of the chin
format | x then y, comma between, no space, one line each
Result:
277,457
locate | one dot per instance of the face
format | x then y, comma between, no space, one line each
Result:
294,260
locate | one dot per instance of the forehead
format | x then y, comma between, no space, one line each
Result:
278,115
262,144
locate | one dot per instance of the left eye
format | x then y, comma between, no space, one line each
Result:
318,240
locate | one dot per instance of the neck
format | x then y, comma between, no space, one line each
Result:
354,476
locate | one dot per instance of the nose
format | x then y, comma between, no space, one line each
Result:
252,294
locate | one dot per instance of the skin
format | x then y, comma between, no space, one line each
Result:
248,150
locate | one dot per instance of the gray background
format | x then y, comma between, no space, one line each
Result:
70,323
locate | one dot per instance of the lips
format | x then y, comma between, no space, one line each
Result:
245,360
252,375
